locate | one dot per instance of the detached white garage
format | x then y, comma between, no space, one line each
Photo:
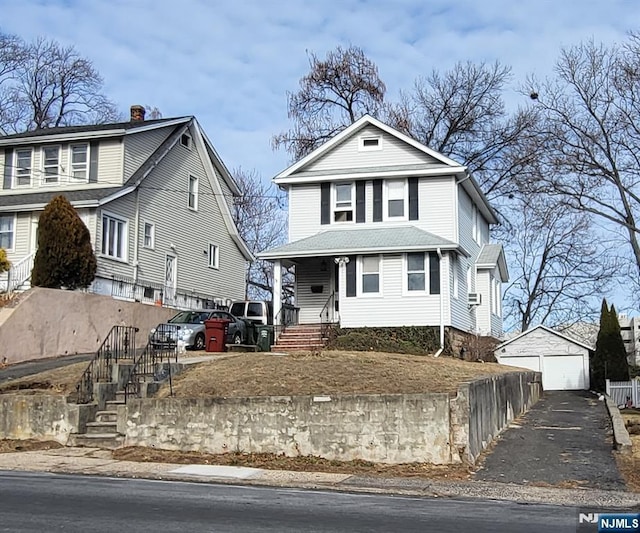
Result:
563,361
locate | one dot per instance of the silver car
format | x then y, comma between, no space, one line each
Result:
188,327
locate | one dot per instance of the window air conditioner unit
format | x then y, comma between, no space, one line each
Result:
474,298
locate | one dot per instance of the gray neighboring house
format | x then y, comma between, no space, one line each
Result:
155,196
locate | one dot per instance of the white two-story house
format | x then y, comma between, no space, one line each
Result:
154,194
384,231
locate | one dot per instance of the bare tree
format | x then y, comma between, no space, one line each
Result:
461,114
336,92
47,85
591,133
261,220
558,270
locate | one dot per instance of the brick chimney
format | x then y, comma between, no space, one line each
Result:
137,113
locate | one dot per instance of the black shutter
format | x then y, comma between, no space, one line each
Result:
413,198
325,201
434,273
377,200
93,162
360,206
351,277
8,166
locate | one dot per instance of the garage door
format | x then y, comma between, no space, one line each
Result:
532,363
563,372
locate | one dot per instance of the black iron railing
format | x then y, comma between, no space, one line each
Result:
326,315
119,344
153,364
287,316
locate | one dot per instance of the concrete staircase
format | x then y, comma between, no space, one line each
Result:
103,432
306,337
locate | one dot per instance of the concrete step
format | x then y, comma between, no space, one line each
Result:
108,441
296,347
290,342
112,405
101,428
106,416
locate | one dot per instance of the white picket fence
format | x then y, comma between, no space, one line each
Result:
619,391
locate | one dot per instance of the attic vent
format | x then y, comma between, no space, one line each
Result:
371,142
185,140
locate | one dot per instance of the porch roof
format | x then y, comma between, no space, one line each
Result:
362,241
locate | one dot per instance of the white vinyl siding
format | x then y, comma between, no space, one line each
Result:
392,308
110,156
349,153
311,303
304,211
483,311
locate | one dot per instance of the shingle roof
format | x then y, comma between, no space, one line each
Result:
10,202
88,128
489,254
365,240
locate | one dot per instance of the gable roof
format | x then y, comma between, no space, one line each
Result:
100,130
362,241
295,174
491,256
548,330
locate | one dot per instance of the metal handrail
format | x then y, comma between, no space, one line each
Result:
151,363
324,314
287,316
119,344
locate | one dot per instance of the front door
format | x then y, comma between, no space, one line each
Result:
170,279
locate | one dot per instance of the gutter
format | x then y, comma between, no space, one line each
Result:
441,349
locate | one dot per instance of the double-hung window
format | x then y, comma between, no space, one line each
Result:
343,204
416,272
214,256
396,198
51,165
192,201
6,231
80,162
24,167
114,237
370,274
149,235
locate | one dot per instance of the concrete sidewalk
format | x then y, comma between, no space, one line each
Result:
94,461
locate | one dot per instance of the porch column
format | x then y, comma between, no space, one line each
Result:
277,290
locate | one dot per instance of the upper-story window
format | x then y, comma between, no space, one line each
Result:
343,202
80,162
370,142
24,167
50,165
192,201
396,202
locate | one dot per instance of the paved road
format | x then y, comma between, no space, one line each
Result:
33,367
33,503
565,437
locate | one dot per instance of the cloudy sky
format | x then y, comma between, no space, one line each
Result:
231,63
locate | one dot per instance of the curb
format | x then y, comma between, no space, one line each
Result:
621,436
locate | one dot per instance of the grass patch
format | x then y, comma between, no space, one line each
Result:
59,381
329,372
629,465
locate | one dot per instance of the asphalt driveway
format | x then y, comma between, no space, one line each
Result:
565,437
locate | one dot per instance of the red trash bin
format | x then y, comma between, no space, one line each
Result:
215,330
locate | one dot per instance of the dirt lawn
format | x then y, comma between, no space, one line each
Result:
330,372
629,465
60,381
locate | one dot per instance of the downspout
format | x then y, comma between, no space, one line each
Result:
441,349
137,238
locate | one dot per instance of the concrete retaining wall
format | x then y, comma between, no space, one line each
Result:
51,322
42,417
393,428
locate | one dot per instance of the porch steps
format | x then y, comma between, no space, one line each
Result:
307,337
